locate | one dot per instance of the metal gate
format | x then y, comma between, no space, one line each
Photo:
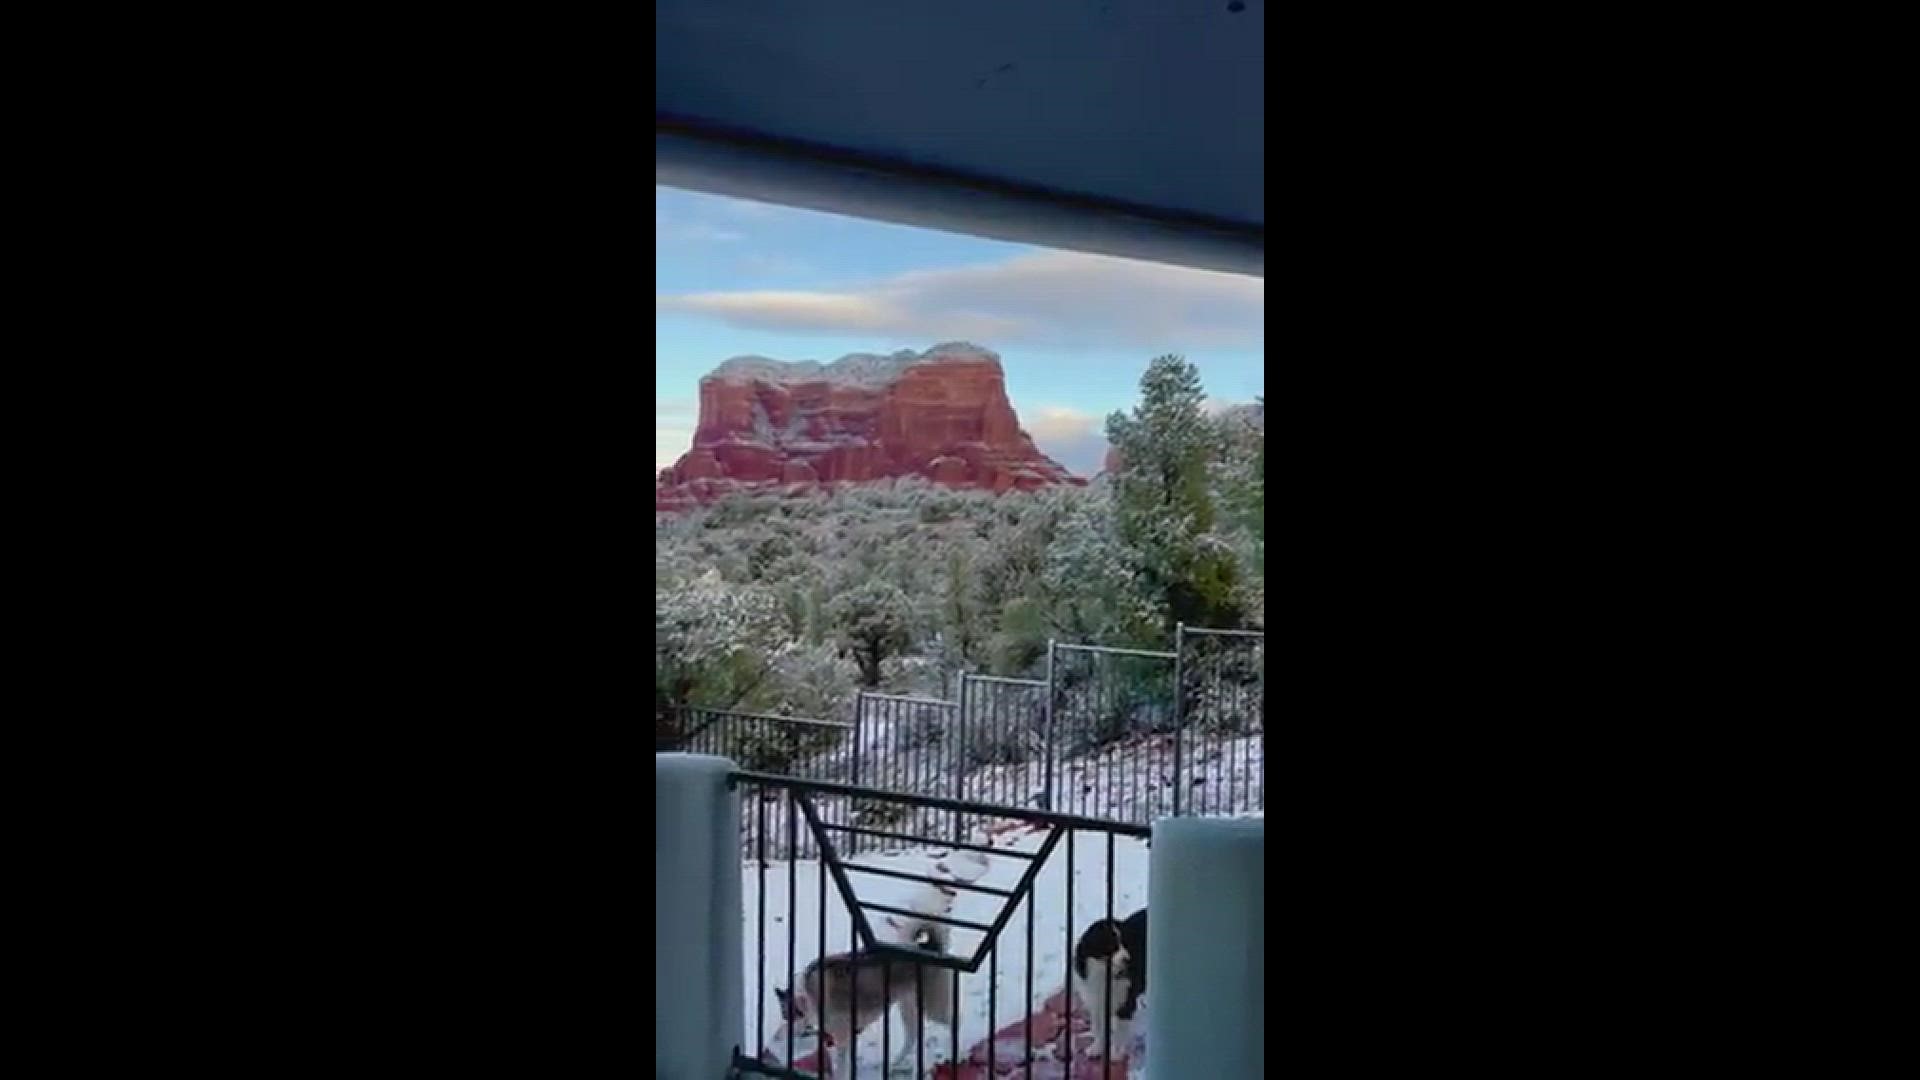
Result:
905,744
1115,745
1222,720
1003,740
999,924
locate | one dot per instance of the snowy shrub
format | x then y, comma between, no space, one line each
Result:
770,746
877,812
814,681
874,621
1225,683
710,644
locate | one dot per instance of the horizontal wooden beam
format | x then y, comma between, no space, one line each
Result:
701,157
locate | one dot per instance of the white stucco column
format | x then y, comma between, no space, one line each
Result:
698,1009
1206,949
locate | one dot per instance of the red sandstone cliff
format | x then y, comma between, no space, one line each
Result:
942,414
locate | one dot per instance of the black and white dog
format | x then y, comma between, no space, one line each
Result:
1110,977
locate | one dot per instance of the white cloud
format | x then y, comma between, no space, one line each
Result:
1075,439
669,442
1054,298
827,312
686,230
1058,422
772,266
673,424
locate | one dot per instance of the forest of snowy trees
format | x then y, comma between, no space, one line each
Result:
790,605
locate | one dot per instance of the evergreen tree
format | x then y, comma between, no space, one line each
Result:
709,645
1163,511
1240,481
875,621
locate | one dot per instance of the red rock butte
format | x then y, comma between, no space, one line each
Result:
942,414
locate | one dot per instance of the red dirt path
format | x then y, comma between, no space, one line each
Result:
1010,1047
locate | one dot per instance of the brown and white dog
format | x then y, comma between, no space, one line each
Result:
852,992
1110,977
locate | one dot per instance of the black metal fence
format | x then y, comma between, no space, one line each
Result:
1003,741
1223,710
974,941
905,744
789,745
1114,746
1117,734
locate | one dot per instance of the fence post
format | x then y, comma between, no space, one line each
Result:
859,729
1206,886
859,736
959,744
698,1011
1179,720
1046,782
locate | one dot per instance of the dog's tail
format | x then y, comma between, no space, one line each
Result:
928,935
934,997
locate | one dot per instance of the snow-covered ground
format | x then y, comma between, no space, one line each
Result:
1000,992
1133,780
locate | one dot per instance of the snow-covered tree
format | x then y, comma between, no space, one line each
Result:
813,681
712,641
875,621
1239,478
1163,508
962,625
1096,587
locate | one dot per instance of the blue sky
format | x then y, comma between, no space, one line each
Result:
1073,331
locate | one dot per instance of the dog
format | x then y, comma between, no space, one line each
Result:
1110,977
845,994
